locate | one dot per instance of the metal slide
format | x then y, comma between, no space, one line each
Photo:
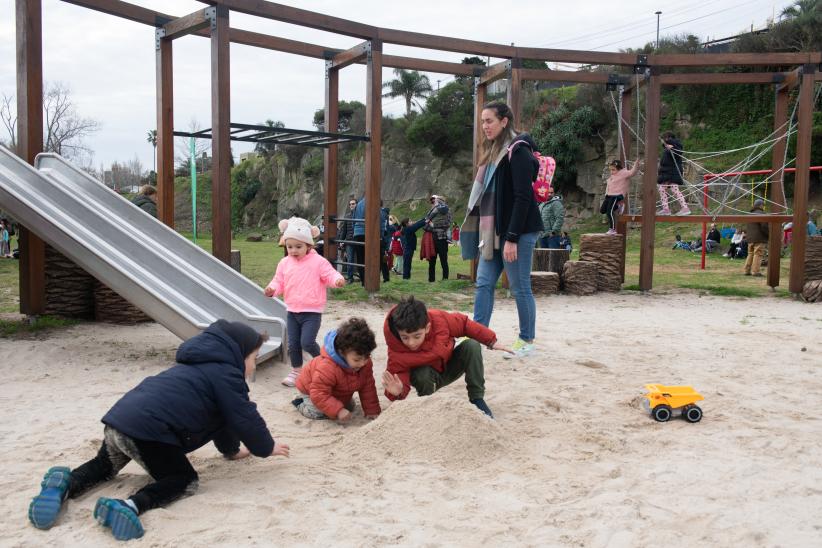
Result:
168,277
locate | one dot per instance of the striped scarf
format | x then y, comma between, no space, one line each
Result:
478,232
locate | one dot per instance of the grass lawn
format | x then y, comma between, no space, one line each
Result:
673,270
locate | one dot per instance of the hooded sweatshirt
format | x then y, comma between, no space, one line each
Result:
436,349
330,382
203,398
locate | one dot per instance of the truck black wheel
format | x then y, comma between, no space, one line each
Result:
662,413
693,414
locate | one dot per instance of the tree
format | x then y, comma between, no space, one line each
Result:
447,121
152,140
351,116
805,16
267,149
64,129
409,85
182,149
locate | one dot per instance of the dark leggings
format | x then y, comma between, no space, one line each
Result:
168,465
441,247
302,335
407,259
609,207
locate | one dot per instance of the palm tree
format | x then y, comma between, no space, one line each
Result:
410,85
152,138
807,16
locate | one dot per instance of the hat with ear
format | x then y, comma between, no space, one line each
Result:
297,228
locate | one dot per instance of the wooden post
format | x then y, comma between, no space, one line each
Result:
165,129
30,143
515,91
221,133
802,180
480,98
646,252
627,100
780,119
332,116
373,153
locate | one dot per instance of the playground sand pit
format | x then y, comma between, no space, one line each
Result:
571,460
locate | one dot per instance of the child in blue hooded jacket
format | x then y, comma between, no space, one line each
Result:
203,398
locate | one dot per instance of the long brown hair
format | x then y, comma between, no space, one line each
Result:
492,148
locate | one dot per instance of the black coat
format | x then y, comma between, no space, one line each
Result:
670,165
410,235
146,204
201,399
516,212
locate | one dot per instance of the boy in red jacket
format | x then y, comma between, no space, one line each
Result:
422,353
343,367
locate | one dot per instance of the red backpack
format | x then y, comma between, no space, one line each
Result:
545,174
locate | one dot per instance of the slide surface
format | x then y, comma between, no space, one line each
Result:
172,280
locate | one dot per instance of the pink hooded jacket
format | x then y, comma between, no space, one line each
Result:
304,281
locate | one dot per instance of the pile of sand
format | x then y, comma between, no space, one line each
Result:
443,428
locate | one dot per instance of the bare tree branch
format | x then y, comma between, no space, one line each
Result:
8,115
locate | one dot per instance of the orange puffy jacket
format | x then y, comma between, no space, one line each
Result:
437,347
331,386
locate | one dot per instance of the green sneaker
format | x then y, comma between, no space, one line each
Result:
521,349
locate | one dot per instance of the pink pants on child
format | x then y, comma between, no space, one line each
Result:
663,194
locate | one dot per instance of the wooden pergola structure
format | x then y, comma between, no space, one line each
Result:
212,22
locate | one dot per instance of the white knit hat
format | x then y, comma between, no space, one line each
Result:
297,228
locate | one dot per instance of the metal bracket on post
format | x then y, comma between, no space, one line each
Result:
211,15
614,82
328,67
159,34
368,51
641,66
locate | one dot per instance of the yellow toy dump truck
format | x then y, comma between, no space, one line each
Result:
663,400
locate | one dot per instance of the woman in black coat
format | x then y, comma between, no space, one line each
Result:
670,175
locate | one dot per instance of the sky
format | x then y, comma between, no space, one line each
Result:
108,63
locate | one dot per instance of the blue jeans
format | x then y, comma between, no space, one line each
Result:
302,330
519,274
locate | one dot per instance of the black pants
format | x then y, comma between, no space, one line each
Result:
407,258
168,465
609,207
441,247
360,250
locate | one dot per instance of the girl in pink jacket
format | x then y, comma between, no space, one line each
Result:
302,276
616,190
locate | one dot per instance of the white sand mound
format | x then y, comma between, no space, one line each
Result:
442,428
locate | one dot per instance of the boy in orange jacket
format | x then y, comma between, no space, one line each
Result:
422,353
343,367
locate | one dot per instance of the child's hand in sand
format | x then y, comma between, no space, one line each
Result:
268,292
344,415
392,383
340,283
281,450
241,454
498,346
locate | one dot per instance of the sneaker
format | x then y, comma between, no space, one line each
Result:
482,406
118,516
747,273
45,507
291,380
521,349
683,212
611,232
663,212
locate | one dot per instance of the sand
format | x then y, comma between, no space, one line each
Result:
571,460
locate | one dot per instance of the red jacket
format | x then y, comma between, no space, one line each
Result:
437,347
331,386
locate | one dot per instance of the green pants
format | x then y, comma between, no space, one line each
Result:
467,359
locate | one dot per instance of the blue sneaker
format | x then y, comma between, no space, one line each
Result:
45,507
119,517
482,406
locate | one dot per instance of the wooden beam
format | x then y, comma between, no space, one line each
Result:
373,153
495,72
220,137
442,67
743,59
577,77
349,56
445,43
297,16
275,43
802,180
125,10
188,24
480,98
780,123
697,219
165,128
718,78
649,190
575,56
29,41
330,163
792,80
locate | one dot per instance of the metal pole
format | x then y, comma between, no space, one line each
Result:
193,166
658,13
